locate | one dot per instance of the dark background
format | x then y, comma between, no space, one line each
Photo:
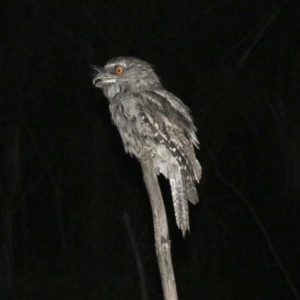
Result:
66,182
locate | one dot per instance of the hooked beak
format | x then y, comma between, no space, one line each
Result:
102,77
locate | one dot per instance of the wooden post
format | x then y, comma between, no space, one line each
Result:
161,231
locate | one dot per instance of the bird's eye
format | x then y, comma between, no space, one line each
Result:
119,70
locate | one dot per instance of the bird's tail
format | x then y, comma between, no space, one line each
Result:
183,190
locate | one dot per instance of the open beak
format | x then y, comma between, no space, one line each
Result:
102,77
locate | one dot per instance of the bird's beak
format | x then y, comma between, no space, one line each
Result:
102,77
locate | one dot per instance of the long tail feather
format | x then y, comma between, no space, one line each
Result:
180,202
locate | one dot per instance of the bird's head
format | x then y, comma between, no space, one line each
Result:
124,74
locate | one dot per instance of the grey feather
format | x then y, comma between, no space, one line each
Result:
149,117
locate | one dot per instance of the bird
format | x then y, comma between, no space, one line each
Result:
152,121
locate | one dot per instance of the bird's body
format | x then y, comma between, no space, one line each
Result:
153,122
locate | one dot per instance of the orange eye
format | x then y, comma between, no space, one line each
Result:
119,70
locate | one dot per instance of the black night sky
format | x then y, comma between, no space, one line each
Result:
66,183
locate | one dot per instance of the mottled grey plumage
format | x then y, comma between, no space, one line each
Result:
153,122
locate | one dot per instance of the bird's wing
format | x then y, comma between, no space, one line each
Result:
174,129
